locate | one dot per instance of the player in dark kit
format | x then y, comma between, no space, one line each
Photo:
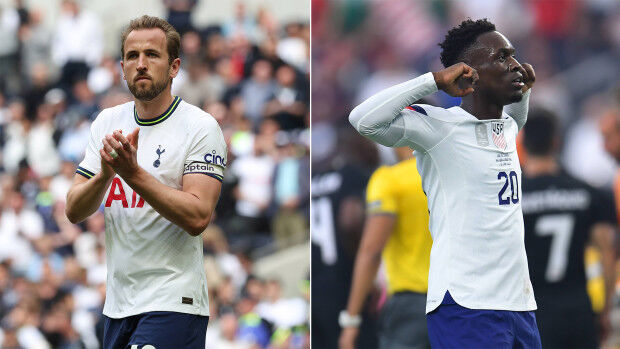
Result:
337,223
562,214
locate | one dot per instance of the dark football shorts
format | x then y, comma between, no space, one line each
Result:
454,326
155,330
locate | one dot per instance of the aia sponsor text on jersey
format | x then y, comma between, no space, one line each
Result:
117,186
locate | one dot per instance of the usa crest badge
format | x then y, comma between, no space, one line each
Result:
497,133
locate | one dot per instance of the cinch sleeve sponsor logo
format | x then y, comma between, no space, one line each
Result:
215,159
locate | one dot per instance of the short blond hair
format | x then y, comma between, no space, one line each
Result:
173,39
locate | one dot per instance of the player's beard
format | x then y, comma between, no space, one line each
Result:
148,93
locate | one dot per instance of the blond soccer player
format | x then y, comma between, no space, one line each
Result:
156,164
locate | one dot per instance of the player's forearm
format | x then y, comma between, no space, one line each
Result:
377,230
366,266
609,275
181,208
83,199
603,236
518,111
373,117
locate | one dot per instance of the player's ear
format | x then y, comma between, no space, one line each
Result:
174,67
123,70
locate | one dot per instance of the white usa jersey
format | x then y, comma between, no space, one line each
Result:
472,178
153,264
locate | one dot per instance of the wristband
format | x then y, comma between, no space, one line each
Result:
347,320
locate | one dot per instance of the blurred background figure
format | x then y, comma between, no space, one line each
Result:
395,233
341,168
610,129
77,44
246,63
362,47
562,217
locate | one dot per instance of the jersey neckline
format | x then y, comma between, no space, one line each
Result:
161,118
462,111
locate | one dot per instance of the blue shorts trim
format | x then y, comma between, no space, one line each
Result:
160,329
454,326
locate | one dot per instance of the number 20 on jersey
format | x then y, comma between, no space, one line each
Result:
504,197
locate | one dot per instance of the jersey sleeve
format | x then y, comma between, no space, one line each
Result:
603,207
386,119
518,111
425,126
379,196
91,165
207,153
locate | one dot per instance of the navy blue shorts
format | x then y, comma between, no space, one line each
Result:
157,329
454,326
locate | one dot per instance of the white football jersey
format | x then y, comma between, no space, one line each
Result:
153,264
472,178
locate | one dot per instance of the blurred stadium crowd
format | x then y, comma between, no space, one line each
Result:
362,47
250,72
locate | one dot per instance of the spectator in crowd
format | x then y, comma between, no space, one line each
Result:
227,336
39,85
35,42
77,45
9,44
287,103
242,24
293,49
42,155
281,312
257,90
290,189
199,87
254,174
179,14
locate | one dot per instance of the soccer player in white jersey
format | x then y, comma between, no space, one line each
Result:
479,289
157,166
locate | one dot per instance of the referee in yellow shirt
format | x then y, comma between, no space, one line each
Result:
396,230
